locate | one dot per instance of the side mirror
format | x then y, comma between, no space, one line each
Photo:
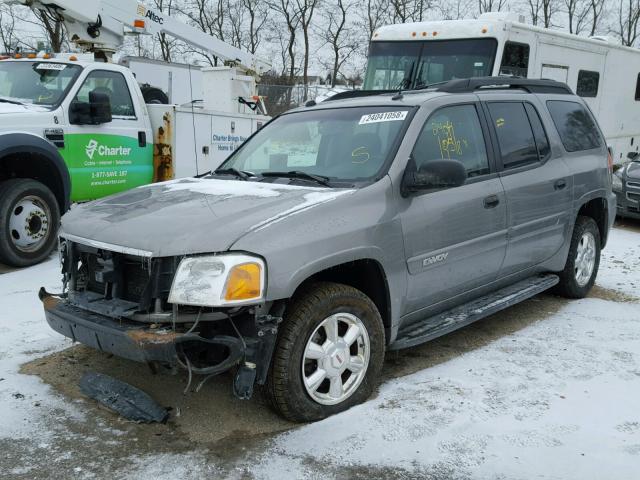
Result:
433,175
95,112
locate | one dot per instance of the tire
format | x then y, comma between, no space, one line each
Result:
29,216
584,253
306,319
153,95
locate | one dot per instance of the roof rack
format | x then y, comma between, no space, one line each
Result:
490,83
357,94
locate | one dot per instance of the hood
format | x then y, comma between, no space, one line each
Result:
191,215
17,109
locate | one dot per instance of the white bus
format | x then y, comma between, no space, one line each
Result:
414,55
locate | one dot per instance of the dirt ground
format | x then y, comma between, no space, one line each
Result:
212,421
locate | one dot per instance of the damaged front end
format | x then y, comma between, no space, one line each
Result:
125,302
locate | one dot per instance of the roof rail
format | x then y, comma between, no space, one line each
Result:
357,94
489,83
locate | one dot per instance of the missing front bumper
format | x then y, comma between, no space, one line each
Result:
132,340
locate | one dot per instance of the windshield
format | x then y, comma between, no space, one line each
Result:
394,65
39,83
342,145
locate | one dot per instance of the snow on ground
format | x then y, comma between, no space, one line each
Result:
557,400
24,335
620,262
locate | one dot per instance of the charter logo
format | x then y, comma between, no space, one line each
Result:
93,146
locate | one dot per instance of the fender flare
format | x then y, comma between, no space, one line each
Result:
26,143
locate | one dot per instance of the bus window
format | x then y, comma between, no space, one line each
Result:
515,59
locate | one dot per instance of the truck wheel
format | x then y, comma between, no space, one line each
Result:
153,95
328,355
29,215
583,260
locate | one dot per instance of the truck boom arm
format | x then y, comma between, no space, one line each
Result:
101,25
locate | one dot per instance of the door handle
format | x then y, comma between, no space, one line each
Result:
142,139
560,184
491,201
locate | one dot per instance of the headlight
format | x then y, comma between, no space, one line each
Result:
218,280
616,183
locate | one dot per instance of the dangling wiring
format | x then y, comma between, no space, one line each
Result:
244,347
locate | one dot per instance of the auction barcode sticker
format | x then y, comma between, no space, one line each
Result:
51,66
383,117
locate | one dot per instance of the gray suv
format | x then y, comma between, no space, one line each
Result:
371,222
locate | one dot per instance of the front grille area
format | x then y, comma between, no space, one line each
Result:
115,276
634,197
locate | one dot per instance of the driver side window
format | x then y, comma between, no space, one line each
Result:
453,133
114,85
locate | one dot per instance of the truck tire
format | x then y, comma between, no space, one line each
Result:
30,216
329,353
580,271
153,95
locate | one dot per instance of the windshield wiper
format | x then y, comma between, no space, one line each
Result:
320,179
235,172
14,102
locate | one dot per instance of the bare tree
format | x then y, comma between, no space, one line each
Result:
338,36
209,16
258,13
288,12
53,28
597,7
305,11
578,12
454,9
166,42
542,11
628,17
8,39
491,5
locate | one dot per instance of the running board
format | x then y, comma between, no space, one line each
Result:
462,315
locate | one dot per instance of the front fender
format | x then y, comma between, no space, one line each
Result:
15,143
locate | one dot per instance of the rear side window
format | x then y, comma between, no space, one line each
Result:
515,59
515,137
453,133
587,83
575,125
542,141
638,87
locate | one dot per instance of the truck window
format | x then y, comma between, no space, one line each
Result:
638,87
39,83
587,83
515,136
453,133
114,85
575,125
412,64
542,141
515,59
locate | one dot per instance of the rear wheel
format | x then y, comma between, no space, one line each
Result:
329,353
580,271
29,215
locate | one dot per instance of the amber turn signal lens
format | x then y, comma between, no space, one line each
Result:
243,282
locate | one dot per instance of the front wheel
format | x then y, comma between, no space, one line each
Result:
580,271
29,215
329,353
